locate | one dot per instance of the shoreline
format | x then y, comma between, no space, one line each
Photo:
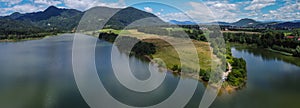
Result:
280,52
194,76
268,49
31,38
287,58
197,77
227,88
19,40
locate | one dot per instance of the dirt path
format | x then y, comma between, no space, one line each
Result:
225,75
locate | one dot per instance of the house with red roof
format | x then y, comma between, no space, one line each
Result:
290,37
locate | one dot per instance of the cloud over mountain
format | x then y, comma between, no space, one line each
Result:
199,11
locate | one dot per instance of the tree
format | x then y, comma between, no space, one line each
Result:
174,68
297,51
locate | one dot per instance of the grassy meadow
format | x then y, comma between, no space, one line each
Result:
166,51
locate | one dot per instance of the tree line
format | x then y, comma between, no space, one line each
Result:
189,31
238,75
270,39
11,29
139,49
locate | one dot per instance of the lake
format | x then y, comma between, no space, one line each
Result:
39,74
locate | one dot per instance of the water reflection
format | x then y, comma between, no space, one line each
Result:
38,74
272,81
265,54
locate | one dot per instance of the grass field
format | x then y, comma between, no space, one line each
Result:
113,31
288,33
247,32
188,49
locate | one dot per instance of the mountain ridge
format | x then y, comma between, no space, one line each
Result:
182,22
61,19
247,22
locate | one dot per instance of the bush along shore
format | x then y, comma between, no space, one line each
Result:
235,76
139,49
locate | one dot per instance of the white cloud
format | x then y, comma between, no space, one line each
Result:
209,11
214,11
148,9
259,4
158,13
47,2
252,14
285,13
206,11
86,4
174,16
221,5
199,13
24,8
40,5
11,2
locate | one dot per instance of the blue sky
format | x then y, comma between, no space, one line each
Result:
182,10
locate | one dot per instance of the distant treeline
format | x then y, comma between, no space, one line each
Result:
139,49
271,39
11,29
189,31
25,36
245,29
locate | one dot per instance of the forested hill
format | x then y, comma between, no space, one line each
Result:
52,18
115,18
55,19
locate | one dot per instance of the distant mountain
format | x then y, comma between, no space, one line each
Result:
15,25
58,19
266,24
287,25
246,23
260,24
117,18
295,21
15,15
126,16
38,16
221,23
269,24
66,20
240,23
49,19
182,22
10,28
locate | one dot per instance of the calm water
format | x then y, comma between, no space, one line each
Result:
272,83
38,74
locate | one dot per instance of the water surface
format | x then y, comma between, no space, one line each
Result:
38,74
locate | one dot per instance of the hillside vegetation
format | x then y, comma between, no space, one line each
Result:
56,20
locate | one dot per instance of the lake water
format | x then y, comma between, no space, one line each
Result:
38,74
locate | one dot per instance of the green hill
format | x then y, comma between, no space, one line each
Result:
66,20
